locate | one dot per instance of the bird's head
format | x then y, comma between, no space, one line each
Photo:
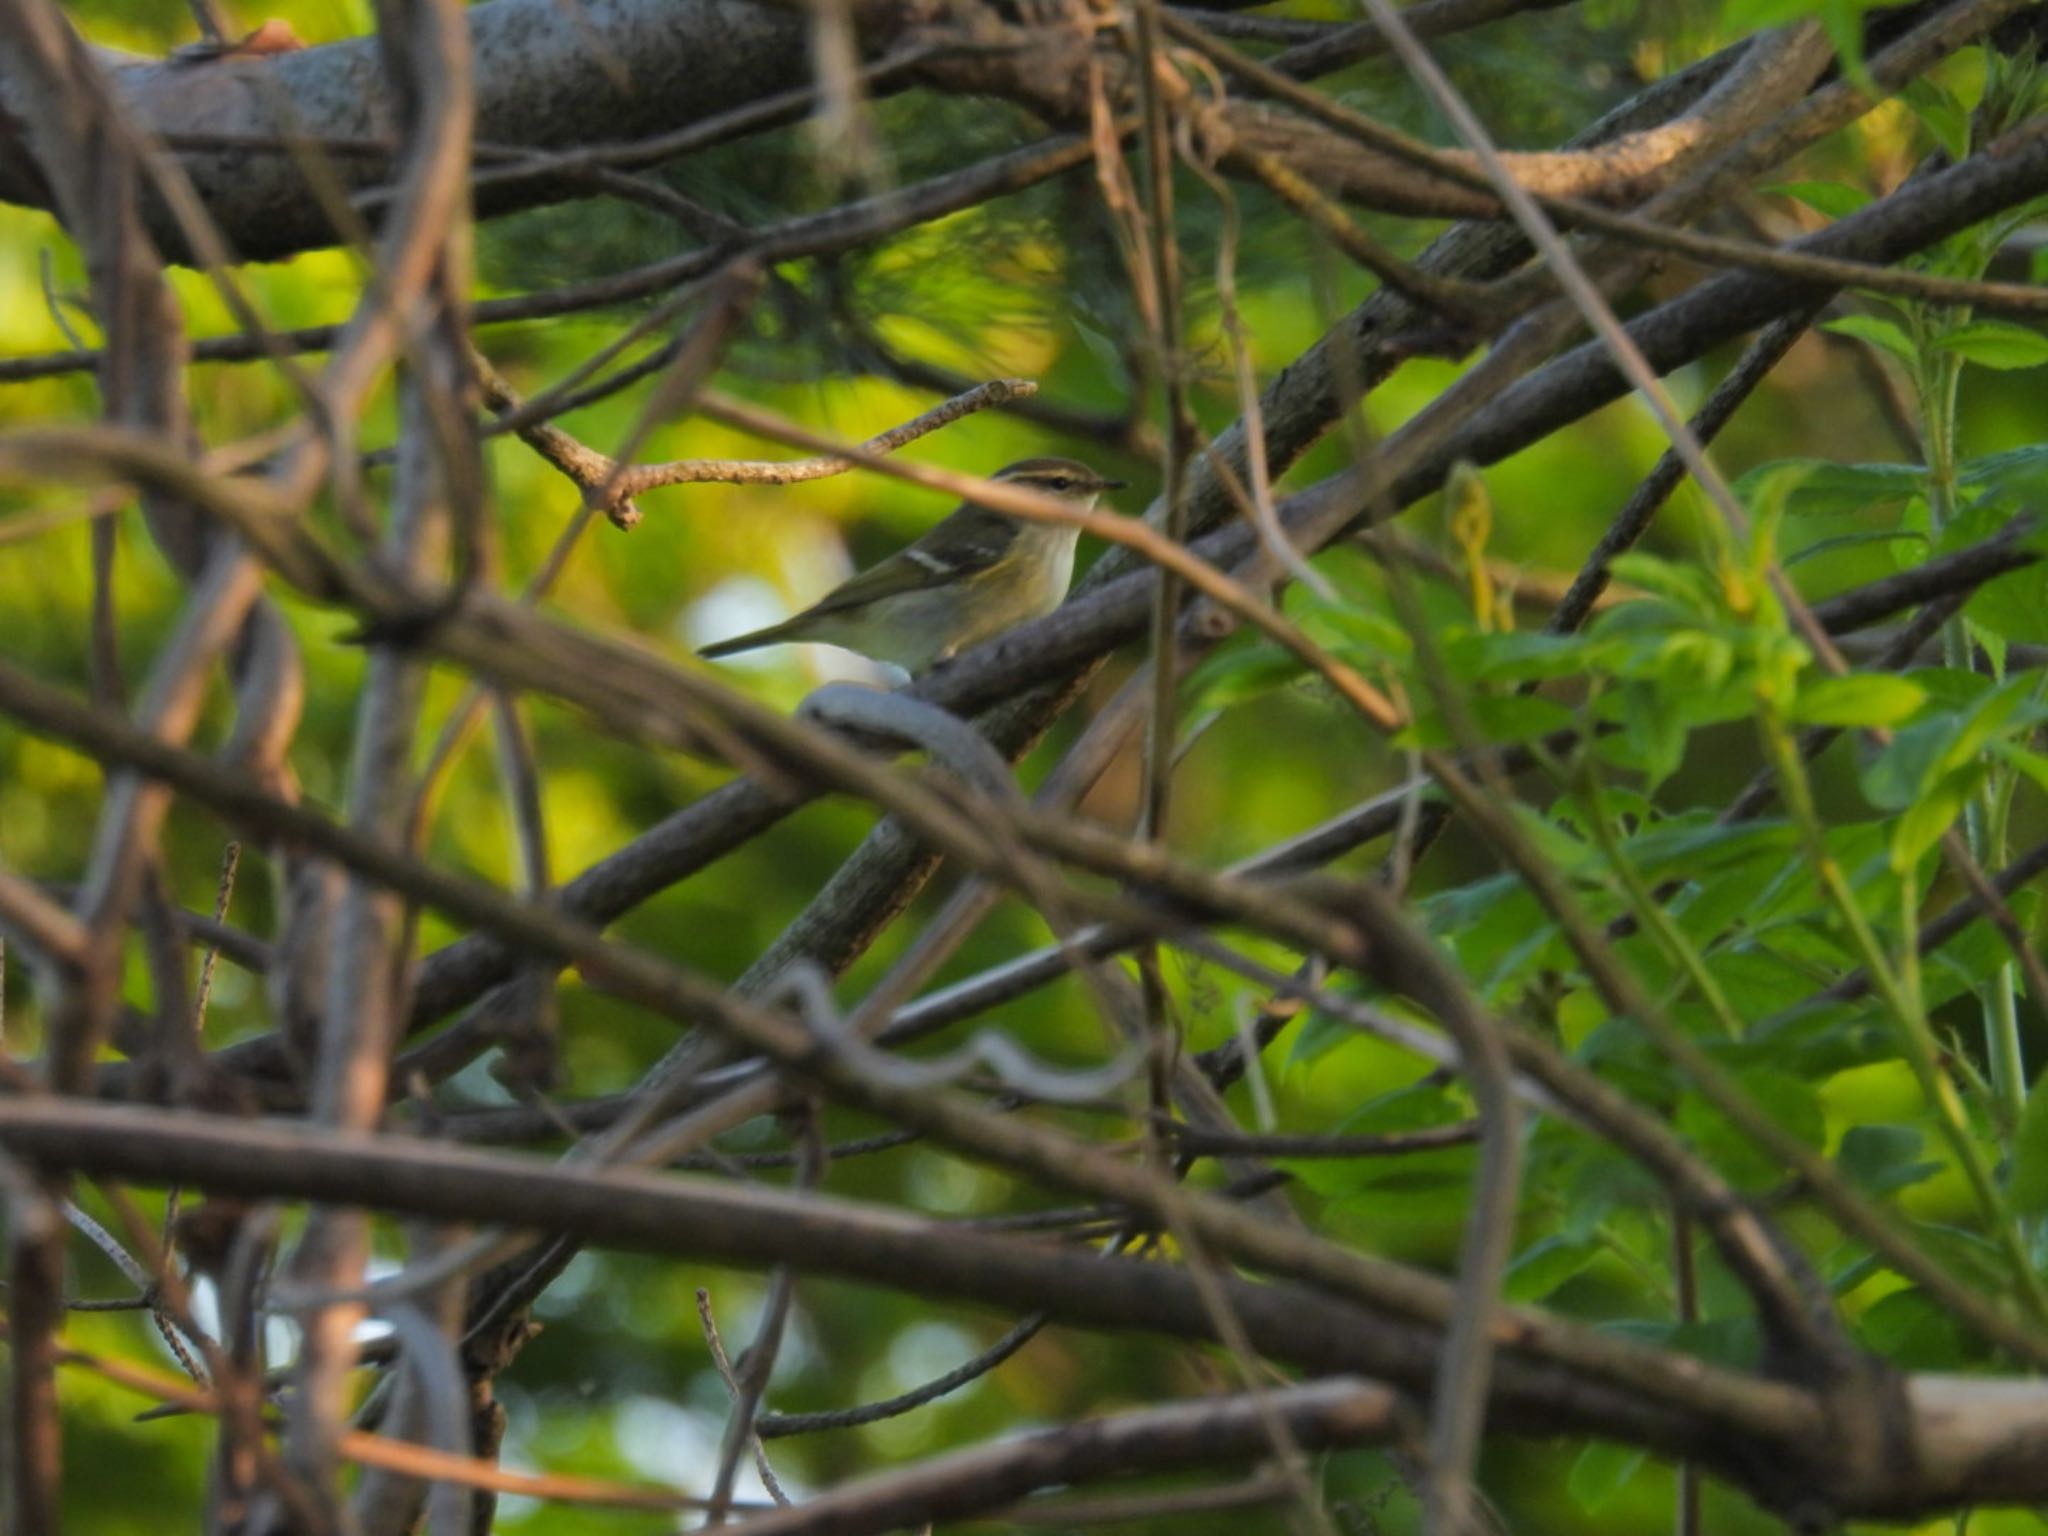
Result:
1067,478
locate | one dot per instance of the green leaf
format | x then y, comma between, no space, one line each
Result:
1729,1341
1517,717
2014,606
1519,656
1952,689
1946,117
1828,487
1655,736
1318,1035
1758,981
1817,1040
1748,15
1996,344
1883,1158
2025,760
2012,706
1544,1267
1995,646
1930,749
1893,779
1843,21
2028,1189
1725,898
1463,906
1854,1274
1912,1332
1788,1100
1862,699
2017,472
1683,585
1970,959
1879,332
1555,841
1696,843
1601,1471
1931,814
1495,928
1851,541
1833,199
1351,628
1769,495
1098,342
1235,676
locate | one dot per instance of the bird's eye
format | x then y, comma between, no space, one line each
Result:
1061,483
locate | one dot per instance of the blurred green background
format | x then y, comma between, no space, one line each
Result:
618,1384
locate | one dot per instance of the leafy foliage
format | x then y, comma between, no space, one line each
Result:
1780,944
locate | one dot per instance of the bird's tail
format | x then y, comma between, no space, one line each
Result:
747,642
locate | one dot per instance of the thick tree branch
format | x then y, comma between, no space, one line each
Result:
547,78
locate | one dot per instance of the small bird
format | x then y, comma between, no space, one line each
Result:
974,575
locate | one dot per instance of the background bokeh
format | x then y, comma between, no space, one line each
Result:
618,1384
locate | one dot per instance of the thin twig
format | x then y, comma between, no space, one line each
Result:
224,890
721,1498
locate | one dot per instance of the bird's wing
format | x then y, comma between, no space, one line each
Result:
973,539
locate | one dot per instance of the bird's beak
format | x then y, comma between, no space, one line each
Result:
1114,485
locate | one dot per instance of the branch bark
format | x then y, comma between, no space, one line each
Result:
547,78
